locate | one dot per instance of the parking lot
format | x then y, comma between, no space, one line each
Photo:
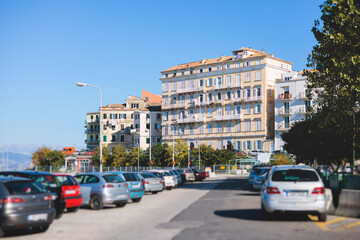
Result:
217,208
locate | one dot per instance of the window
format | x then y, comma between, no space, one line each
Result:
238,110
246,64
191,98
247,77
228,81
105,138
191,129
122,126
247,145
228,127
182,85
248,93
286,122
258,124
200,70
166,101
209,82
122,138
201,128
209,144
210,127
248,109
147,126
210,112
219,67
228,95
237,65
210,96
158,116
227,66
219,81
219,145
257,108
238,80
238,93
191,71
238,127
201,98
165,116
258,75
257,91
182,73
166,130
258,145
181,130
218,96
123,116
191,84
113,138
209,69
147,140
165,87
219,111
258,62
228,110
166,75
174,86
134,105
201,82
219,127
104,116
247,125
238,145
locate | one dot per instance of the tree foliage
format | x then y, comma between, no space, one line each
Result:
95,159
45,156
281,159
118,156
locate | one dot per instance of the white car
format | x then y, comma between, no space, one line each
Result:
293,189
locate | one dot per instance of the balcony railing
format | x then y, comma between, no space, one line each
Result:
285,96
253,99
191,89
226,117
284,111
304,96
87,131
303,111
283,126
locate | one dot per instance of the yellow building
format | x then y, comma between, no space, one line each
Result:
226,102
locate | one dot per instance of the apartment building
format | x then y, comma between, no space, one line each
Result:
225,102
292,103
120,123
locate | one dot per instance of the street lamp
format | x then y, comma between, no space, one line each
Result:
149,136
355,108
80,84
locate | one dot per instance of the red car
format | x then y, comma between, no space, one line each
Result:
70,192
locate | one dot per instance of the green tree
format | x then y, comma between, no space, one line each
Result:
132,156
281,159
44,156
160,155
224,155
118,156
208,155
180,152
56,158
95,159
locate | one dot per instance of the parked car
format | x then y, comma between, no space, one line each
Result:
135,185
24,204
159,175
169,181
202,174
71,191
182,174
189,175
177,175
48,181
256,170
103,188
151,183
295,189
198,177
260,178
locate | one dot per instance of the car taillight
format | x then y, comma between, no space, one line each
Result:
126,185
318,190
107,186
146,182
161,181
12,200
272,190
47,198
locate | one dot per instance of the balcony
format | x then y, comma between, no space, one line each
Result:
93,142
283,126
237,100
304,96
96,121
303,111
191,89
135,131
191,119
285,97
227,117
89,131
284,112
253,99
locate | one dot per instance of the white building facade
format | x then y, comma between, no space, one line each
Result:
292,103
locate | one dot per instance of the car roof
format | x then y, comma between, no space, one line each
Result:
14,179
286,167
32,173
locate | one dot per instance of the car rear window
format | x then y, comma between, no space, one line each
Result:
46,180
148,175
67,181
112,179
131,177
24,188
166,174
157,174
256,171
291,175
189,171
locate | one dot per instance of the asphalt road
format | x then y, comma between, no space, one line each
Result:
218,208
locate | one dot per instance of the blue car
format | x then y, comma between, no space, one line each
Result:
135,185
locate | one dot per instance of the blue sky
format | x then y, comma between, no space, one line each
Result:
122,46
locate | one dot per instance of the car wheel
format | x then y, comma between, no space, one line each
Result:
154,192
322,217
120,204
96,203
168,188
59,214
136,199
73,209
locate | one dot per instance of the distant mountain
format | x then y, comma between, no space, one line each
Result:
14,161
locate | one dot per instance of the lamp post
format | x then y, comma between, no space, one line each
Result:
80,84
173,155
355,108
149,135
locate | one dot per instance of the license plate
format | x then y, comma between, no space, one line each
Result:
37,217
136,185
296,194
70,192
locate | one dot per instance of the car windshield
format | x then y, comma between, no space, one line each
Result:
46,180
112,179
148,175
24,188
67,180
166,174
131,177
291,175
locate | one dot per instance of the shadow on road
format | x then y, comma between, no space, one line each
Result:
217,184
255,215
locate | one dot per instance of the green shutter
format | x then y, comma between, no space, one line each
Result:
105,138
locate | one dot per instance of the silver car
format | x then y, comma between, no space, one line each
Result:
151,183
293,189
189,175
103,188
